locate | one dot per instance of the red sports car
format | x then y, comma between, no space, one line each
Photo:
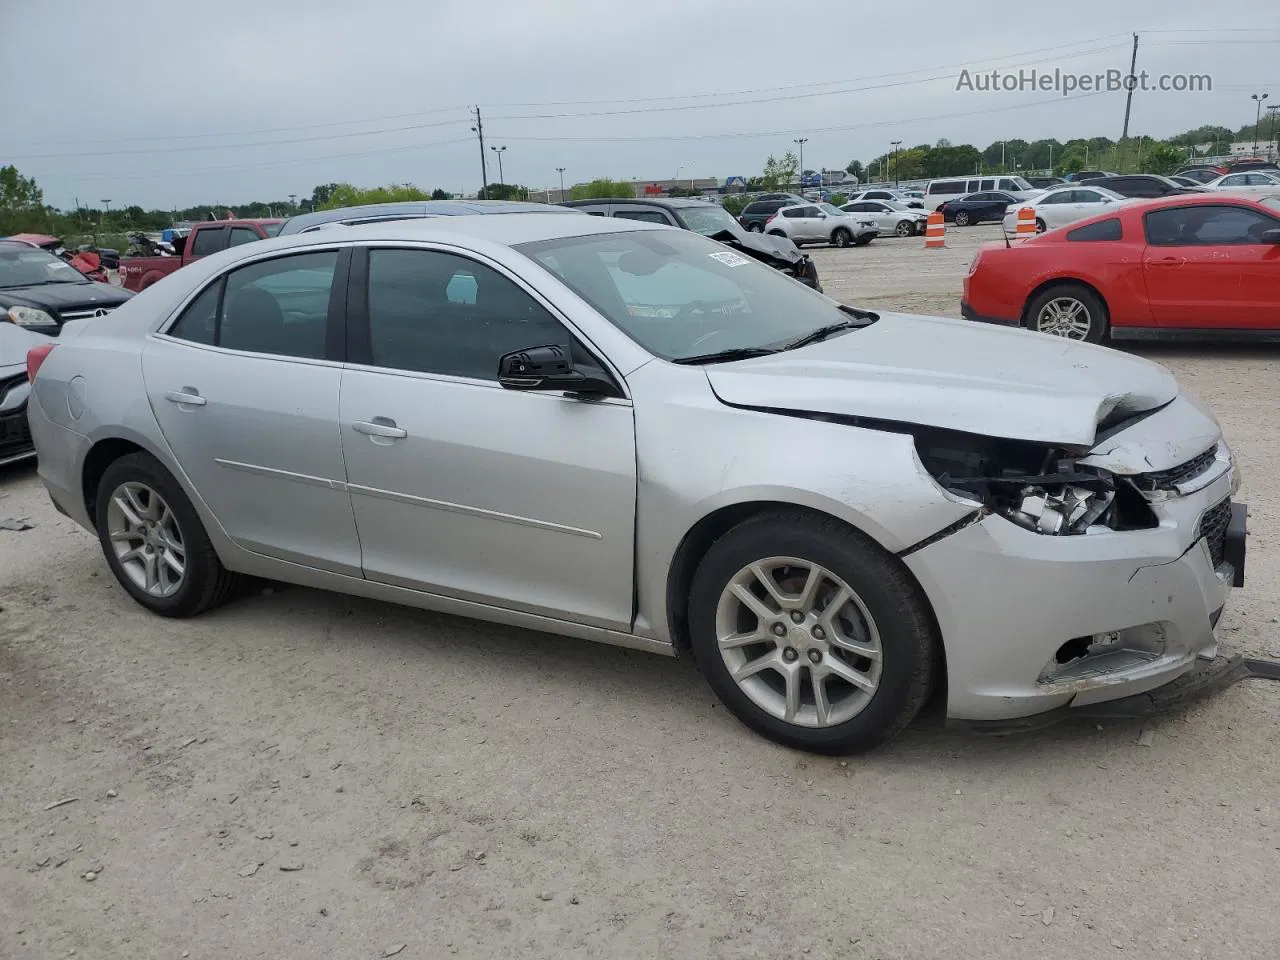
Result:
1202,264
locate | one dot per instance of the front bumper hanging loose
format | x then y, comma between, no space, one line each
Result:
1207,678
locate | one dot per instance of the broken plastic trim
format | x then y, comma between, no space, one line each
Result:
966,521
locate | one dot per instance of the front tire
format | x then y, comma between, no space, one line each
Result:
1041,226
154,542
810,633
1071,311
905,228
841,237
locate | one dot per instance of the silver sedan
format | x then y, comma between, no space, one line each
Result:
631,434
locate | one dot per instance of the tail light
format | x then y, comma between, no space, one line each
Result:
35,357
772,217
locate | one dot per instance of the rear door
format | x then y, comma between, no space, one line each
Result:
1206,267
244,386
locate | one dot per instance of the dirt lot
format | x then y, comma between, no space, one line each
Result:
303,775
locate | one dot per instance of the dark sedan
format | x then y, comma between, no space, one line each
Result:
977,208
1144,186
40,292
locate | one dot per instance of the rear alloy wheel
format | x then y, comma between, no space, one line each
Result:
1041,226
756,228
1070,311
154,541
962,218
810,633
841,237
905,228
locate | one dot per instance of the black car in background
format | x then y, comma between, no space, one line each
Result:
1044,183
41,292
1200,174
1144,185
977,208
710,220
757,213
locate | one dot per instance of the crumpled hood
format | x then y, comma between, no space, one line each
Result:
65,296
779,248
995,381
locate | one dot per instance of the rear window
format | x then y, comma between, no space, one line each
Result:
1102,230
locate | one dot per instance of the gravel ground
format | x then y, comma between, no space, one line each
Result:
300,774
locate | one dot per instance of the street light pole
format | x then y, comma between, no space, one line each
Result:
107,204
560,170
897,176
801,141
1257,120
500,151
1272,110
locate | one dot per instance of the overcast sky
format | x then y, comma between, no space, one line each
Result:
174,103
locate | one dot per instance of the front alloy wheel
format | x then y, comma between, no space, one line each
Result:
799,642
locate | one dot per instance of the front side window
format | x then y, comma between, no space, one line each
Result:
240,235
680,295
435,312
1203,225
278,307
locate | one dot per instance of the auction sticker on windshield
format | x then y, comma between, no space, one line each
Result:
729,258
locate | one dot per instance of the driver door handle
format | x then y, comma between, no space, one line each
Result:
380,427
1169,262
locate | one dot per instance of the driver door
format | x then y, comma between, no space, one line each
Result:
520,500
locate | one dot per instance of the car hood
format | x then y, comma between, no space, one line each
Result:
779,248
955,375
14,344
64,296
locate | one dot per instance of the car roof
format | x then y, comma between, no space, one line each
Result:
682,203
414,208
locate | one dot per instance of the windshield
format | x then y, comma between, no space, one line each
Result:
1272,202
680,295
271,229
707,222
28,266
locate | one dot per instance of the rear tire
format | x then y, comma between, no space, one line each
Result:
756,228
962,218
154,541
1071,311
871,650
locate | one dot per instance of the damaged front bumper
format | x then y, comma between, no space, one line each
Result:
1033,624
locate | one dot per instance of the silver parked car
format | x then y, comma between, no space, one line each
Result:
821,223
631,434
892,220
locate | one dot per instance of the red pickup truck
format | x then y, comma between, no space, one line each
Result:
138,273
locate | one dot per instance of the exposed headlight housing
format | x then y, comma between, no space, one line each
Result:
30,317
1041,489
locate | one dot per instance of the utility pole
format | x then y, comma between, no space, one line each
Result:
478,129
560,170
801,141
1132,81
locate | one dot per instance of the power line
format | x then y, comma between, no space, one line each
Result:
782,133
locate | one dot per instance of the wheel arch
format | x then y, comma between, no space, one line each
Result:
1044,285
712,526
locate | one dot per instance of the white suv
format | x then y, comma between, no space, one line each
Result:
822,223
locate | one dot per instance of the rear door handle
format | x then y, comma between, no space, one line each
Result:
380,427
189,396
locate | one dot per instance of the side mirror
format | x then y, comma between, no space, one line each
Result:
549,367
1271,236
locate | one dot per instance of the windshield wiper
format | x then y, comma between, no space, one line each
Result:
723,356
823,332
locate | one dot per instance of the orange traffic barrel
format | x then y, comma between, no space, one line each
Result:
935,231
1026,223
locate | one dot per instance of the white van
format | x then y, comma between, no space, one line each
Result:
940,191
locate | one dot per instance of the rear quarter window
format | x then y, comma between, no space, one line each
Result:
947,186
1109,229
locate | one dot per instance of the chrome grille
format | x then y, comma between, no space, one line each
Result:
1213,527
1175,476
82,314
